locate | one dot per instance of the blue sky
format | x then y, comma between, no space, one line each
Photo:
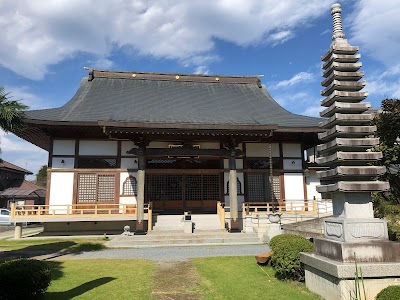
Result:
46,45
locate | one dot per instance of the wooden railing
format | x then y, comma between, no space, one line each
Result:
221,213
74,210
288,207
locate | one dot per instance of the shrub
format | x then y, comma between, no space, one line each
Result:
392,292
286,250
23,278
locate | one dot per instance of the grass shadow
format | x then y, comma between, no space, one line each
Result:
35,250
79,290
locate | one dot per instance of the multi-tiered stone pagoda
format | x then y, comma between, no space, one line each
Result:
350,178
352,233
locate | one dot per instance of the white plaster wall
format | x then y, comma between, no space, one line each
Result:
292,164
98,147
312,181
126,199
294,186
126,146
291,150
68,163
129,163
239,175
261,150
63,147
61,189
239,164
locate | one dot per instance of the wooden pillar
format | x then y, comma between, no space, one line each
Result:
233,201
140,192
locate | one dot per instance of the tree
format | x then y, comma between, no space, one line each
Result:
41,176
11,115
11,112
387,204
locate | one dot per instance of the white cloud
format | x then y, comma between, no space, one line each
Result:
201,70
280,37
374,25
296,79
22,153
101,63
384,84
38,34
24,96
312,111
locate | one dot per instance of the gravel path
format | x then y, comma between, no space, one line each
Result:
169,253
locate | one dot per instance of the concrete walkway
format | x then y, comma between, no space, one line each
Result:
155,254
162,254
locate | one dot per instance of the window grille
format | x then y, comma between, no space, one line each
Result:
259,188
129,187
193,187
238,187
96,188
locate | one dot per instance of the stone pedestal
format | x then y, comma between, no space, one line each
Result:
18,231
334,280
187,226
274,229
355,229
248,224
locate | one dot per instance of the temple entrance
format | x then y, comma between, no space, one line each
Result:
190,191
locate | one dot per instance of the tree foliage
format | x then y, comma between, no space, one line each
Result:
387,204
388,131
41,176
11,112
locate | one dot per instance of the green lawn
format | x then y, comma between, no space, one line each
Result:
101,279
209,278
242,278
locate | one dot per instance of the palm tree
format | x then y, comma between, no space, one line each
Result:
11,115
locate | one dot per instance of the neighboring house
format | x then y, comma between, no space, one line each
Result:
16,189
131,139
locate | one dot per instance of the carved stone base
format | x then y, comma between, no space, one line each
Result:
370,251
355,230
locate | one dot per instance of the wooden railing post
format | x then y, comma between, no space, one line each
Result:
150,218
315,206
12,210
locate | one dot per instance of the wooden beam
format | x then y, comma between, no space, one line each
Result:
182,152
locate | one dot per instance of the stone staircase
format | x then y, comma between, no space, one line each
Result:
168,231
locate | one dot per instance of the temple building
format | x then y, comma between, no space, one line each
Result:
134,142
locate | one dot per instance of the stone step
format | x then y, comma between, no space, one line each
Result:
175,222
180,239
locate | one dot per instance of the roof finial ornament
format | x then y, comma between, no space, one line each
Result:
336,12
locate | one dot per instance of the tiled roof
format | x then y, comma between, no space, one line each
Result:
171,98
6,165
23,188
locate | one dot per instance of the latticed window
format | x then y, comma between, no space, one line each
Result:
238,187
193,187
96,188
129,187
259,188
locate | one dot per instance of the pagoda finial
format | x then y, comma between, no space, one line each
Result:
336,12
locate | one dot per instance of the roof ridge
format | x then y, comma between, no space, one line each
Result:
11,166
95,73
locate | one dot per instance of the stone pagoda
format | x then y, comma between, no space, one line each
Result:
352,232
